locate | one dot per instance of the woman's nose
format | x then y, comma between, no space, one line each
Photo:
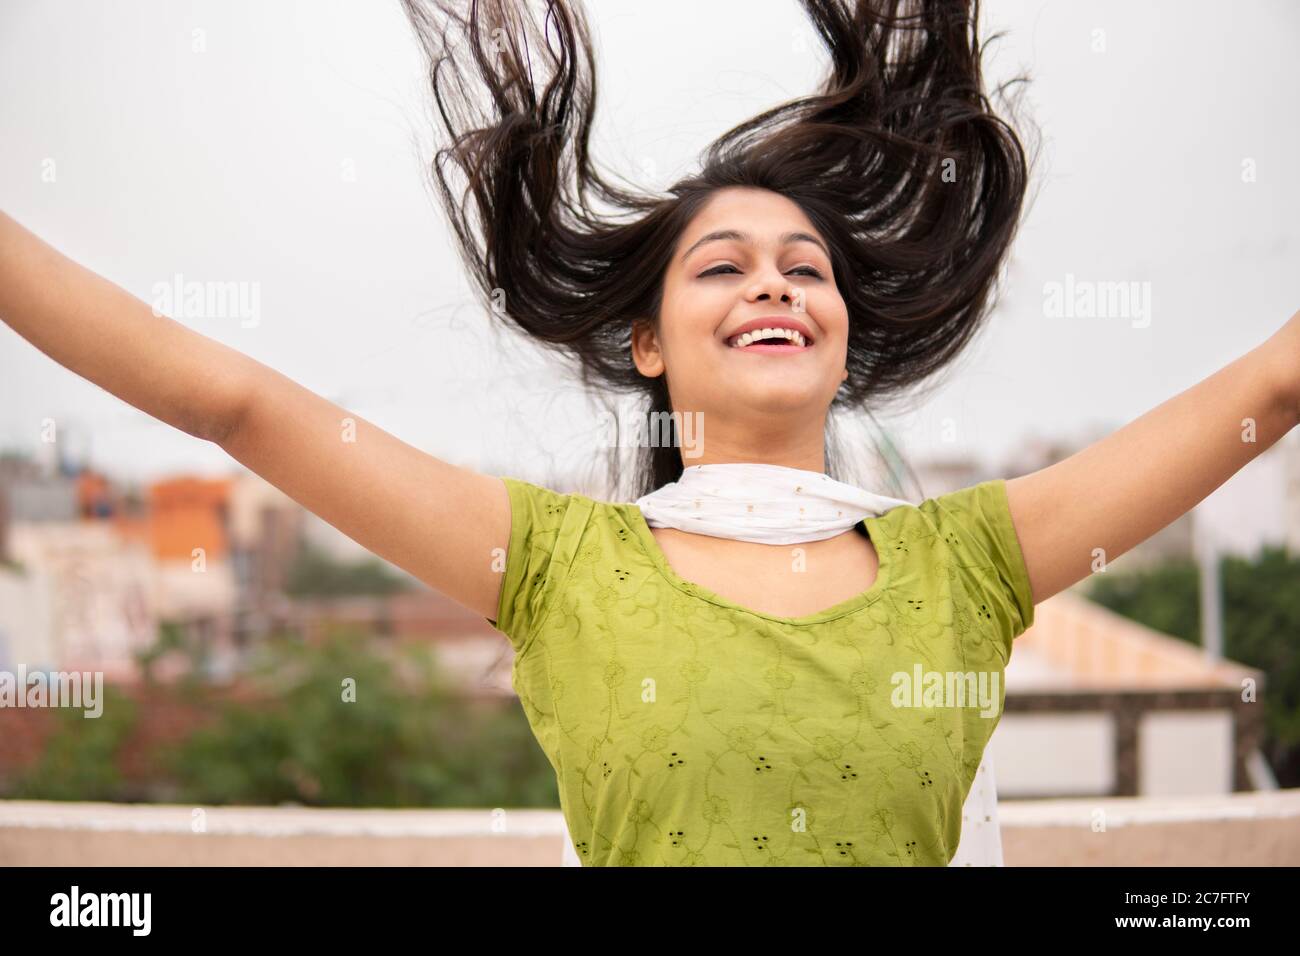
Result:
768,285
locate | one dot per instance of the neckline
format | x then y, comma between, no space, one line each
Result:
872,523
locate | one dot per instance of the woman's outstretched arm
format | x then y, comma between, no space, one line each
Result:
106,335
436,520
1092,507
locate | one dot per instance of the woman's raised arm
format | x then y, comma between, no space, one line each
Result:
438,521
1080,513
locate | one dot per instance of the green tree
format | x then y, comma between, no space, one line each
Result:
79,761
407,739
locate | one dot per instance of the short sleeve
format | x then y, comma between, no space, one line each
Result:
536,559
976,523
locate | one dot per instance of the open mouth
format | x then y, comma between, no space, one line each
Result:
771,340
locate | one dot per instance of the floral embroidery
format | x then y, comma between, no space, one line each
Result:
692,732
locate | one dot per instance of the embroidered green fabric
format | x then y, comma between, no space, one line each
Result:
687,730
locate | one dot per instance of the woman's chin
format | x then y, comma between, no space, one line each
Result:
776,393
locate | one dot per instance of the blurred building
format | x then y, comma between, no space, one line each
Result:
1099,705
95,568
85,599
94,571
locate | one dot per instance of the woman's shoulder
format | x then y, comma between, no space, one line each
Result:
544,508
951,512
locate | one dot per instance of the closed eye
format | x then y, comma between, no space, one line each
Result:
805,270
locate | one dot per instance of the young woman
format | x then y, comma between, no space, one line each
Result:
736,668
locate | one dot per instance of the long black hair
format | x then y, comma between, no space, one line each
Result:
898,160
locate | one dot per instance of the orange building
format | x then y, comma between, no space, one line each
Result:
189,513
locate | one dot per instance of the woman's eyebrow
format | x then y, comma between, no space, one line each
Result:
734,236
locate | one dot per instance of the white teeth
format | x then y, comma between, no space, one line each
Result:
750,337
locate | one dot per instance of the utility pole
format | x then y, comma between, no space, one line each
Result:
1206,547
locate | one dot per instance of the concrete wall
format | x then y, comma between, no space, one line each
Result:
1250,829
1182,753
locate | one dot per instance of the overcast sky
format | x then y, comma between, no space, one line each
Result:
288,153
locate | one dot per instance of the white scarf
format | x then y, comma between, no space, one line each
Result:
765,504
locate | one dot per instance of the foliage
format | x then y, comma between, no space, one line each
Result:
407,740
343,725
79,761
315,574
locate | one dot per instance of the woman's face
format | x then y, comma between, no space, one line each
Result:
751,398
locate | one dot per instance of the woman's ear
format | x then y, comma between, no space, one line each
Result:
645,349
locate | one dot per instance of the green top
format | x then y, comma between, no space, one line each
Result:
685,729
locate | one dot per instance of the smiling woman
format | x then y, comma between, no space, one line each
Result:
877,210
731,290
711,668
702,698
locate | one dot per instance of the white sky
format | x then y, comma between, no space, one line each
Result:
226,165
